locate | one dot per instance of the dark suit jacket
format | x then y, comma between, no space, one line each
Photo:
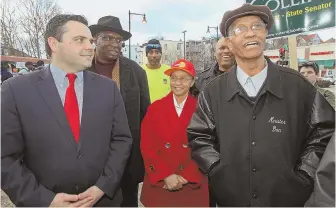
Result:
39,156
134,90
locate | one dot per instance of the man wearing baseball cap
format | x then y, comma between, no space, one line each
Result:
259,131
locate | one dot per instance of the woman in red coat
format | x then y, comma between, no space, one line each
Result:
172,178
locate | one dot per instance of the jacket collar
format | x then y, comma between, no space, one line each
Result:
124,73
273,82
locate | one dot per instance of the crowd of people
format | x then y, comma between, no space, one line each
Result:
88,128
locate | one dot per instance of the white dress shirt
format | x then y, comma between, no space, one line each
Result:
179,107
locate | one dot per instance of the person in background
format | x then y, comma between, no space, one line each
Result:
172,178
132,82
224,61
259,131
158,82
13,68
40,65
5,74
310,70
29,67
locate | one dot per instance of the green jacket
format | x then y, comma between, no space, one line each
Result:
329,96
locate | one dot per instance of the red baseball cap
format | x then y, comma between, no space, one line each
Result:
183,65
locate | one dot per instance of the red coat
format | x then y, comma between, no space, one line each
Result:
165,151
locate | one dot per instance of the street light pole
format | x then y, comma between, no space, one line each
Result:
184,44
208,31
129,30
144,20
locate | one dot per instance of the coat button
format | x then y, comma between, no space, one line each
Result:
181,167
76,187
254,169
151,167
253,143
185,146
79,156
167,145
254,117
255,196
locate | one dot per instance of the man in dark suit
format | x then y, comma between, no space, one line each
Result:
132,82
65,138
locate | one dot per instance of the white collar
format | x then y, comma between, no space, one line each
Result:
179,105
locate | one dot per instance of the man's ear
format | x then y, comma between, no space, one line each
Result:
230,45
53,44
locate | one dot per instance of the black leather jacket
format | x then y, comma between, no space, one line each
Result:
324,187
264,154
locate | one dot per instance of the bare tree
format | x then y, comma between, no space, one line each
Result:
172,56
201,53
23,24
34,15
9,26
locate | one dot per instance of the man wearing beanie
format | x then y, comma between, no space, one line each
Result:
260,129
158,82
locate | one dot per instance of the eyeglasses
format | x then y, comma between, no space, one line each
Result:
181,79
111,39
242,29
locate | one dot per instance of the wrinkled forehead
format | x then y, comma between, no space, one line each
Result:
246,20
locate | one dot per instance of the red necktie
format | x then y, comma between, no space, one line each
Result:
71,106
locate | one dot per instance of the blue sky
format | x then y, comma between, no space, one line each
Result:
167,18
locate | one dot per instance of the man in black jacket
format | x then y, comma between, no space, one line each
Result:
324,186
260,130
224,61
132,82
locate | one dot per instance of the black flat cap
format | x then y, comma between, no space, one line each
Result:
246,10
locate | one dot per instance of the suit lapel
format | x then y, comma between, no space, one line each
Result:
48,90
124,76
88,103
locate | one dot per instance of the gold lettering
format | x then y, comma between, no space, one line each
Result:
294,13
318,7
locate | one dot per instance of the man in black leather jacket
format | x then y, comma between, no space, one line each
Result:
224,61
259,130
324,187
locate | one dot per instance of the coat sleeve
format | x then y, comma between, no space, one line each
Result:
17,181
321,128
155,166
190,171
144,93
324,189
202,135
120,146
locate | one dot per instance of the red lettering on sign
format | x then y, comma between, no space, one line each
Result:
321,53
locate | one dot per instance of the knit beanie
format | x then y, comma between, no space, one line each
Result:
153,44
